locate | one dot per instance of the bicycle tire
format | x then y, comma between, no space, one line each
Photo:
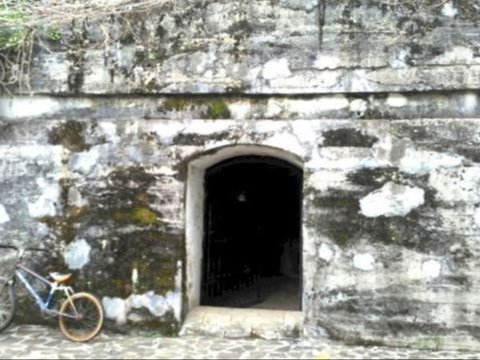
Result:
8,305
89,322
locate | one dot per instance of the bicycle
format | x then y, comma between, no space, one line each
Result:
80,316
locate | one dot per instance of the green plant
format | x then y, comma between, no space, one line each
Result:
217,109
53,34
12,30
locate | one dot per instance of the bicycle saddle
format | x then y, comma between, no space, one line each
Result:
60,278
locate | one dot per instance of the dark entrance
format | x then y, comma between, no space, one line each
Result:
252,243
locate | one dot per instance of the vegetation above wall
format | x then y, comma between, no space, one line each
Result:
51,46
26,24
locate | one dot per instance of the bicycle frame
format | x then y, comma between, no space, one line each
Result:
54,287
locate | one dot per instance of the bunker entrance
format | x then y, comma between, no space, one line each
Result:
252,237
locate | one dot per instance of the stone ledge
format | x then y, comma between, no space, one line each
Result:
242,323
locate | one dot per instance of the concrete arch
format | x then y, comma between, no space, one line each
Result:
195,204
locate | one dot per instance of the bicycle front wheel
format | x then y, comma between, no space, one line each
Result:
8,304
81,317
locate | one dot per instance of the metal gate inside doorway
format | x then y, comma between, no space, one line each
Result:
252,239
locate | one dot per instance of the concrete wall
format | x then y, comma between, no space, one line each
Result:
265,47
377,100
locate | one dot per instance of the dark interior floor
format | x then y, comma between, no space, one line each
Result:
280,292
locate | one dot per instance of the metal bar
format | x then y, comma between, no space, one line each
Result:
59,313
33,273
31,290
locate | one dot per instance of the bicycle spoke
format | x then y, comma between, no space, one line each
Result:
89,320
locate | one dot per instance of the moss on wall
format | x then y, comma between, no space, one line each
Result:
126,235
71,135
348,137
142,216
217,109
210,107
177,103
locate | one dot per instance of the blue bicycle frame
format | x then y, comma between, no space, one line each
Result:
54,287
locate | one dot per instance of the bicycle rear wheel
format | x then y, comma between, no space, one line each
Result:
8,305
85,317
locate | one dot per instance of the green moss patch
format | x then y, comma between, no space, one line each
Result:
199,140
208,107
373,176
142,216
154,255
348,137
177,103
71,135
217,109
336,202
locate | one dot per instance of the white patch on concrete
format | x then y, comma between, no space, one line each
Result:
476,217
326,252
270,126
165,130
359,80
240,109
77,254
455,186
323,180
431,269
392,200
119,309
85,162
42,230
165,170
457,55
325,61
134,277
208,127
381,152
308,132
358,106
46,203
396,100
115,309
470,102
449,10
305,107
341,158
157,305
399,61
27,106
287,142
422,162
365,262
109,131
274,108
178,280
75,198
276,68
3,215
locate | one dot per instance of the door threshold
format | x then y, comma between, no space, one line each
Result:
242,323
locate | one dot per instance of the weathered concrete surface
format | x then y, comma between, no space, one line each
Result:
375,100
394,106
47,343
266,47
108,196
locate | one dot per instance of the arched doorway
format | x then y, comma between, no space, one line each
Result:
252,234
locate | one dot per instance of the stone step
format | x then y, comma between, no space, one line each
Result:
242,323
